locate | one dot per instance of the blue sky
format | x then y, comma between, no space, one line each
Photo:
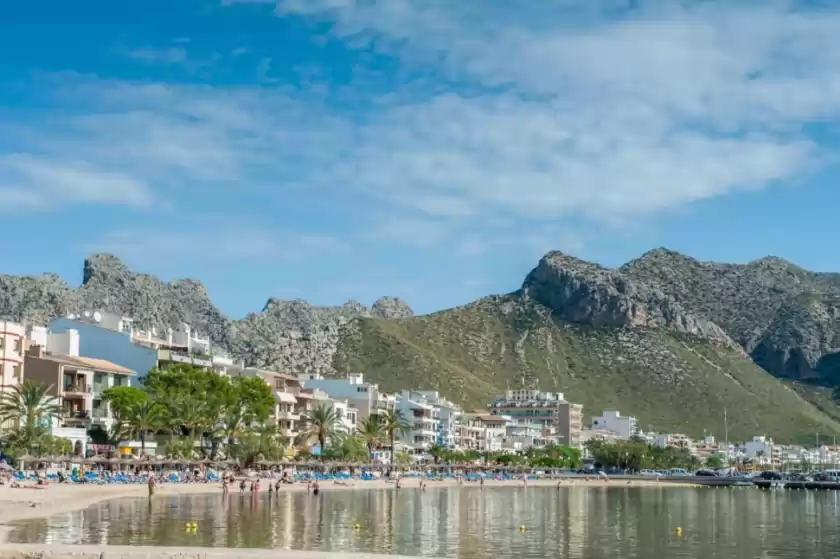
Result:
434,150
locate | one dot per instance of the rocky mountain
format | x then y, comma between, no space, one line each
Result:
665,337
786,318
292,335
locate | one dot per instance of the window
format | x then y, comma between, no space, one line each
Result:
16,372
2,341
280,384
97,378
18,343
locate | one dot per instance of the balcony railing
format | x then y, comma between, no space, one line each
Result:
78,388
101,414
76,415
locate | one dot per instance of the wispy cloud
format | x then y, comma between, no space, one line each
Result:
624,114
39,183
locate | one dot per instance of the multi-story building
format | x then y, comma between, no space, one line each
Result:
763,451
12,349
424,418
116,338
470,433
612,420
366,397
448,413
346,415
70,380
546,408
495,430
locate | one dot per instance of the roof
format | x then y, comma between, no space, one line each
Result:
86,363
285,397
491,418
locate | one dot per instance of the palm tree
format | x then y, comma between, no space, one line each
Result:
393,422
143,418
29,403
371,431
436,451
321,424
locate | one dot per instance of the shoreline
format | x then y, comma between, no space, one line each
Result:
27,504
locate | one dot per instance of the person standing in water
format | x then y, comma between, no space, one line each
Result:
316,488
152,485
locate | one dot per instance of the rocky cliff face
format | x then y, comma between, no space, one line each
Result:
290,335
582,292
784,317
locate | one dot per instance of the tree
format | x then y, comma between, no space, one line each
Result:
436,451
714,462
253,397
145,417
321,424
403,459
372,432
348,448
30,403
394,422
121,400
257,444
34,409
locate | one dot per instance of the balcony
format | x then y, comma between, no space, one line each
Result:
288,416
73,417
77,389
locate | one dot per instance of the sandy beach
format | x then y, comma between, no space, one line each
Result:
23,504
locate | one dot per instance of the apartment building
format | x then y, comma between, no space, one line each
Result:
70,379
764,451
545,408
12,349
448,414
365,397
612,420
346,415
118,339
424,418
470,433
495,430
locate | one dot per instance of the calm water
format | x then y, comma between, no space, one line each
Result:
468,522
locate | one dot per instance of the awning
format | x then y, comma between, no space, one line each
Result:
285,397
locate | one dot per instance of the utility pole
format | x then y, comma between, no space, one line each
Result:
726,437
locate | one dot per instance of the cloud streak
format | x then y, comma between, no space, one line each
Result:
626,113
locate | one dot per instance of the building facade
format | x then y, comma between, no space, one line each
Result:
12,350
612,420
366,397
549,409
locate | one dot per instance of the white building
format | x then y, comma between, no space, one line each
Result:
495,430
345,413
763,451
366,397
424,418
612,420
449,415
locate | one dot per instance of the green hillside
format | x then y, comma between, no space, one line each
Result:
670,382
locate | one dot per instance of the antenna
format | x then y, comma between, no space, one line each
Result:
97,316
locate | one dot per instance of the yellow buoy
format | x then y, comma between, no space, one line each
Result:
357,526
522,528
678,531
187,526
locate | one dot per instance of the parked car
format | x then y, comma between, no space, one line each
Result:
798,476
678,472
648,473
706,473
770,475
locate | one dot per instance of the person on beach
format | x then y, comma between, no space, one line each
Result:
309,485
399,482
316,488
224,485
270,488
152,485
277,486
242,486
481,481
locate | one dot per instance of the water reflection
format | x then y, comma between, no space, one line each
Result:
468,522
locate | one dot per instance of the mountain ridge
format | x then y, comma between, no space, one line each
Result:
655,336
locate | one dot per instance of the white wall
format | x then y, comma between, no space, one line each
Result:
65,343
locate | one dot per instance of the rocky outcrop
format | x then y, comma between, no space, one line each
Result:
289,335
583,292
785,317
